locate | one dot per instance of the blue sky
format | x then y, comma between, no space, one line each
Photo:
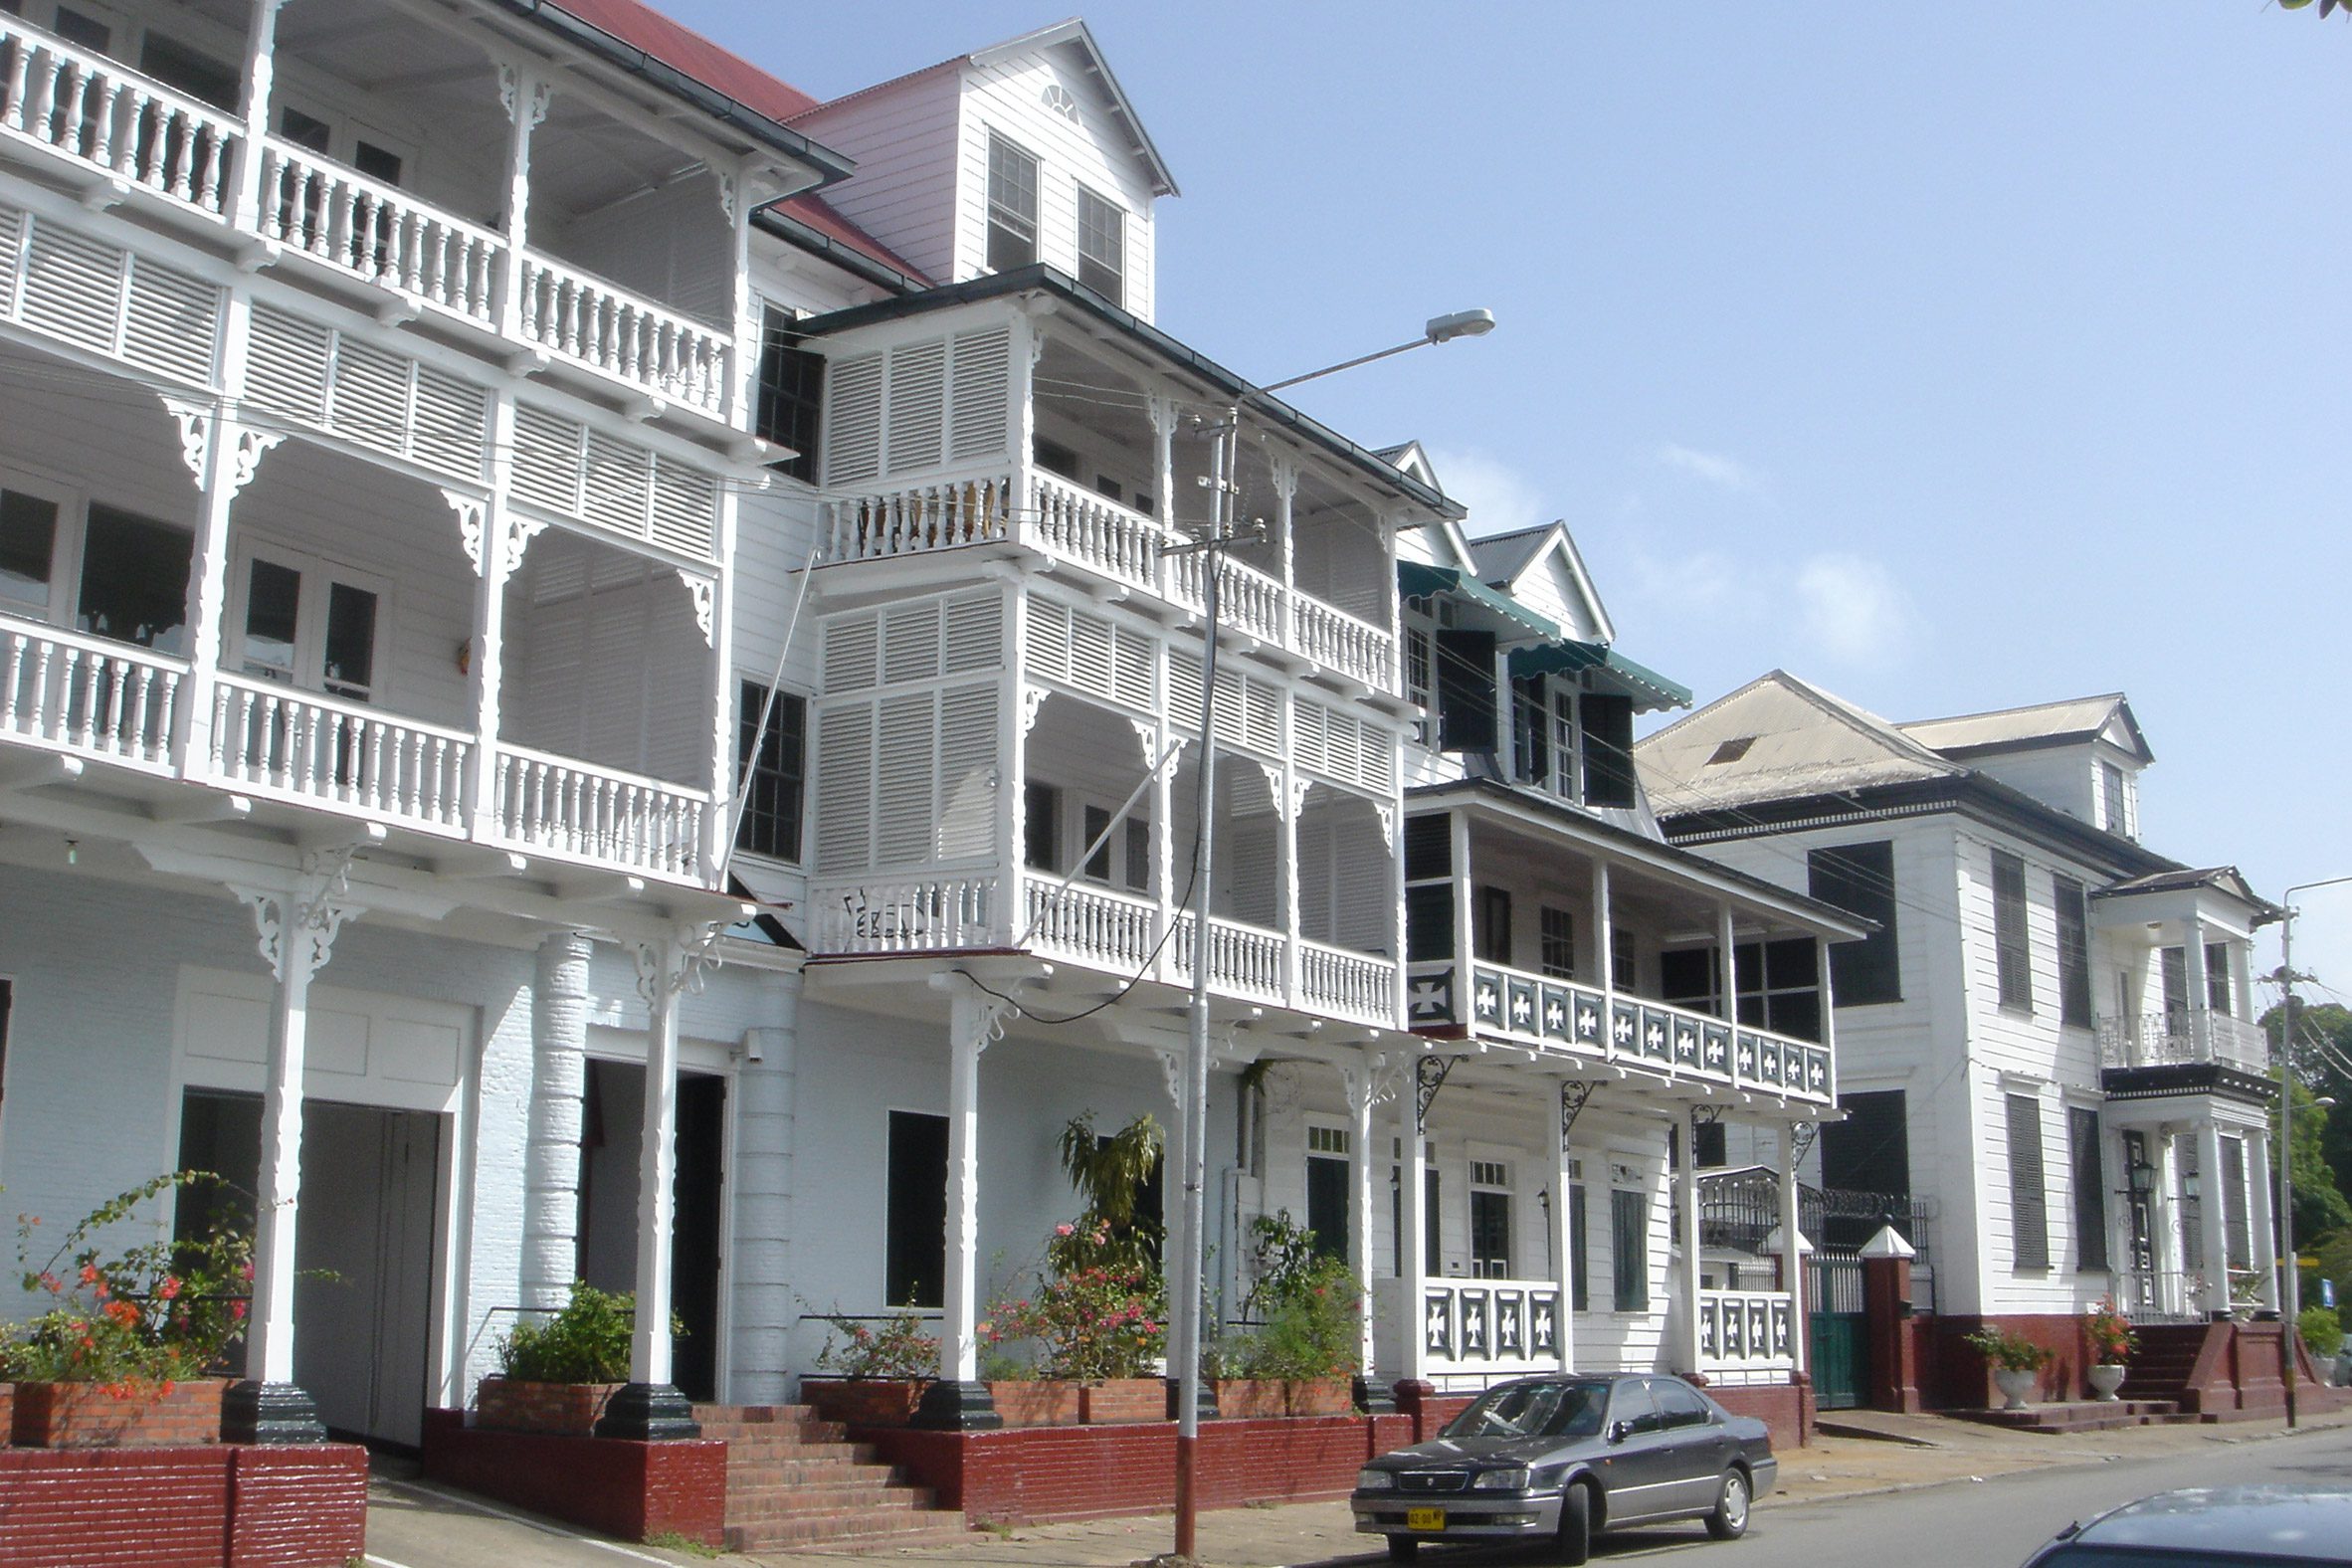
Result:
1952,357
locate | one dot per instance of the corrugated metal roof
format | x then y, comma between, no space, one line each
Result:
1502,557
2043,723
1798,740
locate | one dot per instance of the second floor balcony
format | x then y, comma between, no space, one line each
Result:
2183,1037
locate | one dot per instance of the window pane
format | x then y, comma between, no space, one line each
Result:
76,27
1097,818
791,391
193,72
1859,879
1042,827
914,1246
1138,854
1328,1204
273,608
1011,206
1103,246
303,130
1629,1214
376,163
770,822
1491,1235
135,580
28,535
350,641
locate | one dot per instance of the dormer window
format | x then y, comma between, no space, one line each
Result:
1103,246
2114,811
1011,206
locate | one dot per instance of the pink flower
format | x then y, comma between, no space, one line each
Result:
1065,1229
237,1311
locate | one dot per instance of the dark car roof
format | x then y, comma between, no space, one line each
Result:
2313,1524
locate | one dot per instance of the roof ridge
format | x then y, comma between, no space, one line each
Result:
2021,707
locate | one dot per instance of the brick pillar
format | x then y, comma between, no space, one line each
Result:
1895,1355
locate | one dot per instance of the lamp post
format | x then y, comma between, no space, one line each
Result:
2291,1299
1186,1312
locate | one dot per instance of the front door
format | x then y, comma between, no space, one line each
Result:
614,1119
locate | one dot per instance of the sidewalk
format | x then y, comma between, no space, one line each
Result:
413,1526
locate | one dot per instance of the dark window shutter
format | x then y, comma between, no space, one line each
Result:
1429,922
2073,931
914,1242
1629,1214
1577,1300
1531,729
1493,931
1859,879
1608,749
1428,847
2028,1211
2237,1231
2090,1198
1465,691
2013,954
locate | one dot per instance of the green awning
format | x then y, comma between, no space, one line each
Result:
1417,581
1566,656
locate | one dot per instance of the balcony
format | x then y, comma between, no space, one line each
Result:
99,701
2183,1037
1098,929
1560,1019
119,135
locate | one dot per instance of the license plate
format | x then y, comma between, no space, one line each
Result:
1425,1518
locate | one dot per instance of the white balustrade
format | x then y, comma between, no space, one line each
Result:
377,231
87,696
1475,1329
1092,925
934,516
2170,1039
1744,1335
1244,960
560,806
624,335
270,740
1248,600
1338,640
904,917
1095,531
1349,984
112,119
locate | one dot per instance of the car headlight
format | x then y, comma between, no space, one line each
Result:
1376,1480
1501,1480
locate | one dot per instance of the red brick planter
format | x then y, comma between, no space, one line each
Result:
627,1490
1124,1401
1040,1402
564,1409
219,1505
1257,1398
863,1402
87,1416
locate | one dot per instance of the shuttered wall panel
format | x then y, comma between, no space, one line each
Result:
910,642
852,645
563,466
968,730
367,395
904,780
979,408
686,507
2027,1205
286,367
450,429
546,468
72,287
907,780
100,297
974,635
12,238
173,322
845,773
917,406
916,432
853,420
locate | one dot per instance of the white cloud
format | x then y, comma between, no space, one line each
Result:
1724,473
1853,609
1501,499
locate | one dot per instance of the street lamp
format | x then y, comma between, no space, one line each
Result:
2293,1297
1186,1314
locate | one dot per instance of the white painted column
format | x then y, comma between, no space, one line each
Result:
1604,936
766,1124
2261,1217
261,49
1413,1263
1465,909
1289,792
552,1153
296,929
1361,1082
1285,489
525,97
2166,1243
1829,1016
1021,507
2200,1014
1792,1248
1567,1091
974,1020
1687,1205
2213,1217
1162,412
660,968
496,551
1727,977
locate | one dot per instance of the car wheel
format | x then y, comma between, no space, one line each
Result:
1403,1548
1730,1522
1576,1526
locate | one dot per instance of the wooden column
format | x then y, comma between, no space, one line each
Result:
1361,1082
1686,1206
261,49
958,1399
525,97
1792,1248
1413,1262
2213,1219
2260,1222
1571,1093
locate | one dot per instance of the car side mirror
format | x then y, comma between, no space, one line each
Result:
1619,1430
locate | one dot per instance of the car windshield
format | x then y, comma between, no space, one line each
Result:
1534,1410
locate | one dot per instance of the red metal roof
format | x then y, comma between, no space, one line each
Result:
681,49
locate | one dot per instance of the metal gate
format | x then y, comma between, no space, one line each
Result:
1841,1329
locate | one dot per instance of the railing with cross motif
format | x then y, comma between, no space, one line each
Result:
1475,1330
1746,1337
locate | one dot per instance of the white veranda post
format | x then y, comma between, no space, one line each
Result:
1572,1094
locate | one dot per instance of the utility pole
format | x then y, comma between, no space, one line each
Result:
2290,1299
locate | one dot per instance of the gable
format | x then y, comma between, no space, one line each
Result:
1773,739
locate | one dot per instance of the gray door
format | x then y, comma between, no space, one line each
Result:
1639,1470
372,1187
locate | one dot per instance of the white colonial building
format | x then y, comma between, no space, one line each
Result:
2048,1047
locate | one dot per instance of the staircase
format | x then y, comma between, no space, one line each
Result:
794,1482
2081,1415
2165,1363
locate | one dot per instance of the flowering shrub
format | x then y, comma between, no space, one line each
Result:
2011,1352
1093,1316
2109,1332
586,1342
152,1315
898,1349
1306,1305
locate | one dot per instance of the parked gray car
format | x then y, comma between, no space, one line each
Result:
1559,1459
2212,1528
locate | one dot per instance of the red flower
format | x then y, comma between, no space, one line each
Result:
170,1288
237,1311
89,1273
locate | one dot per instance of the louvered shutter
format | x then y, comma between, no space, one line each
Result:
2027,1206
172,321
911,642
287,365
853,420
915,423
1608,749
2011,953
2090,1198
12,232
1047,639
979,408
852,645
845,776
1465,691
1628,1216
73,287
974,633
904,780
968,771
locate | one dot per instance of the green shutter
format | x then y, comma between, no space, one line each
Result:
2028,1207
2090,1198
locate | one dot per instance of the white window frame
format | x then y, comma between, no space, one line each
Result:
989,204
1473,1183
65,546
310,608
1117,263
344,133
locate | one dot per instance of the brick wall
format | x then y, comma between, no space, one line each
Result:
1785,1408
189,1507
624,1489
1038,1473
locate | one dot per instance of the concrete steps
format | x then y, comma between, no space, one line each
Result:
2083,1415
794,1482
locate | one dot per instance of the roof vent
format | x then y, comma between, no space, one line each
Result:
1732,750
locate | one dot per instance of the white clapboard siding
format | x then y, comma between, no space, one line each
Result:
66,285
915,406
903,138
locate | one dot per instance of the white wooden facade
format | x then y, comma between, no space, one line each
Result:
2137,1069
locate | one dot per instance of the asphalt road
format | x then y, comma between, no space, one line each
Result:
1992,1524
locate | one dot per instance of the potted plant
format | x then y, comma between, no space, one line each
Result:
1098,1321
2016,1361
555,1376
2111,1343
1306,1342
125,1354
2245,1294
881,1366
